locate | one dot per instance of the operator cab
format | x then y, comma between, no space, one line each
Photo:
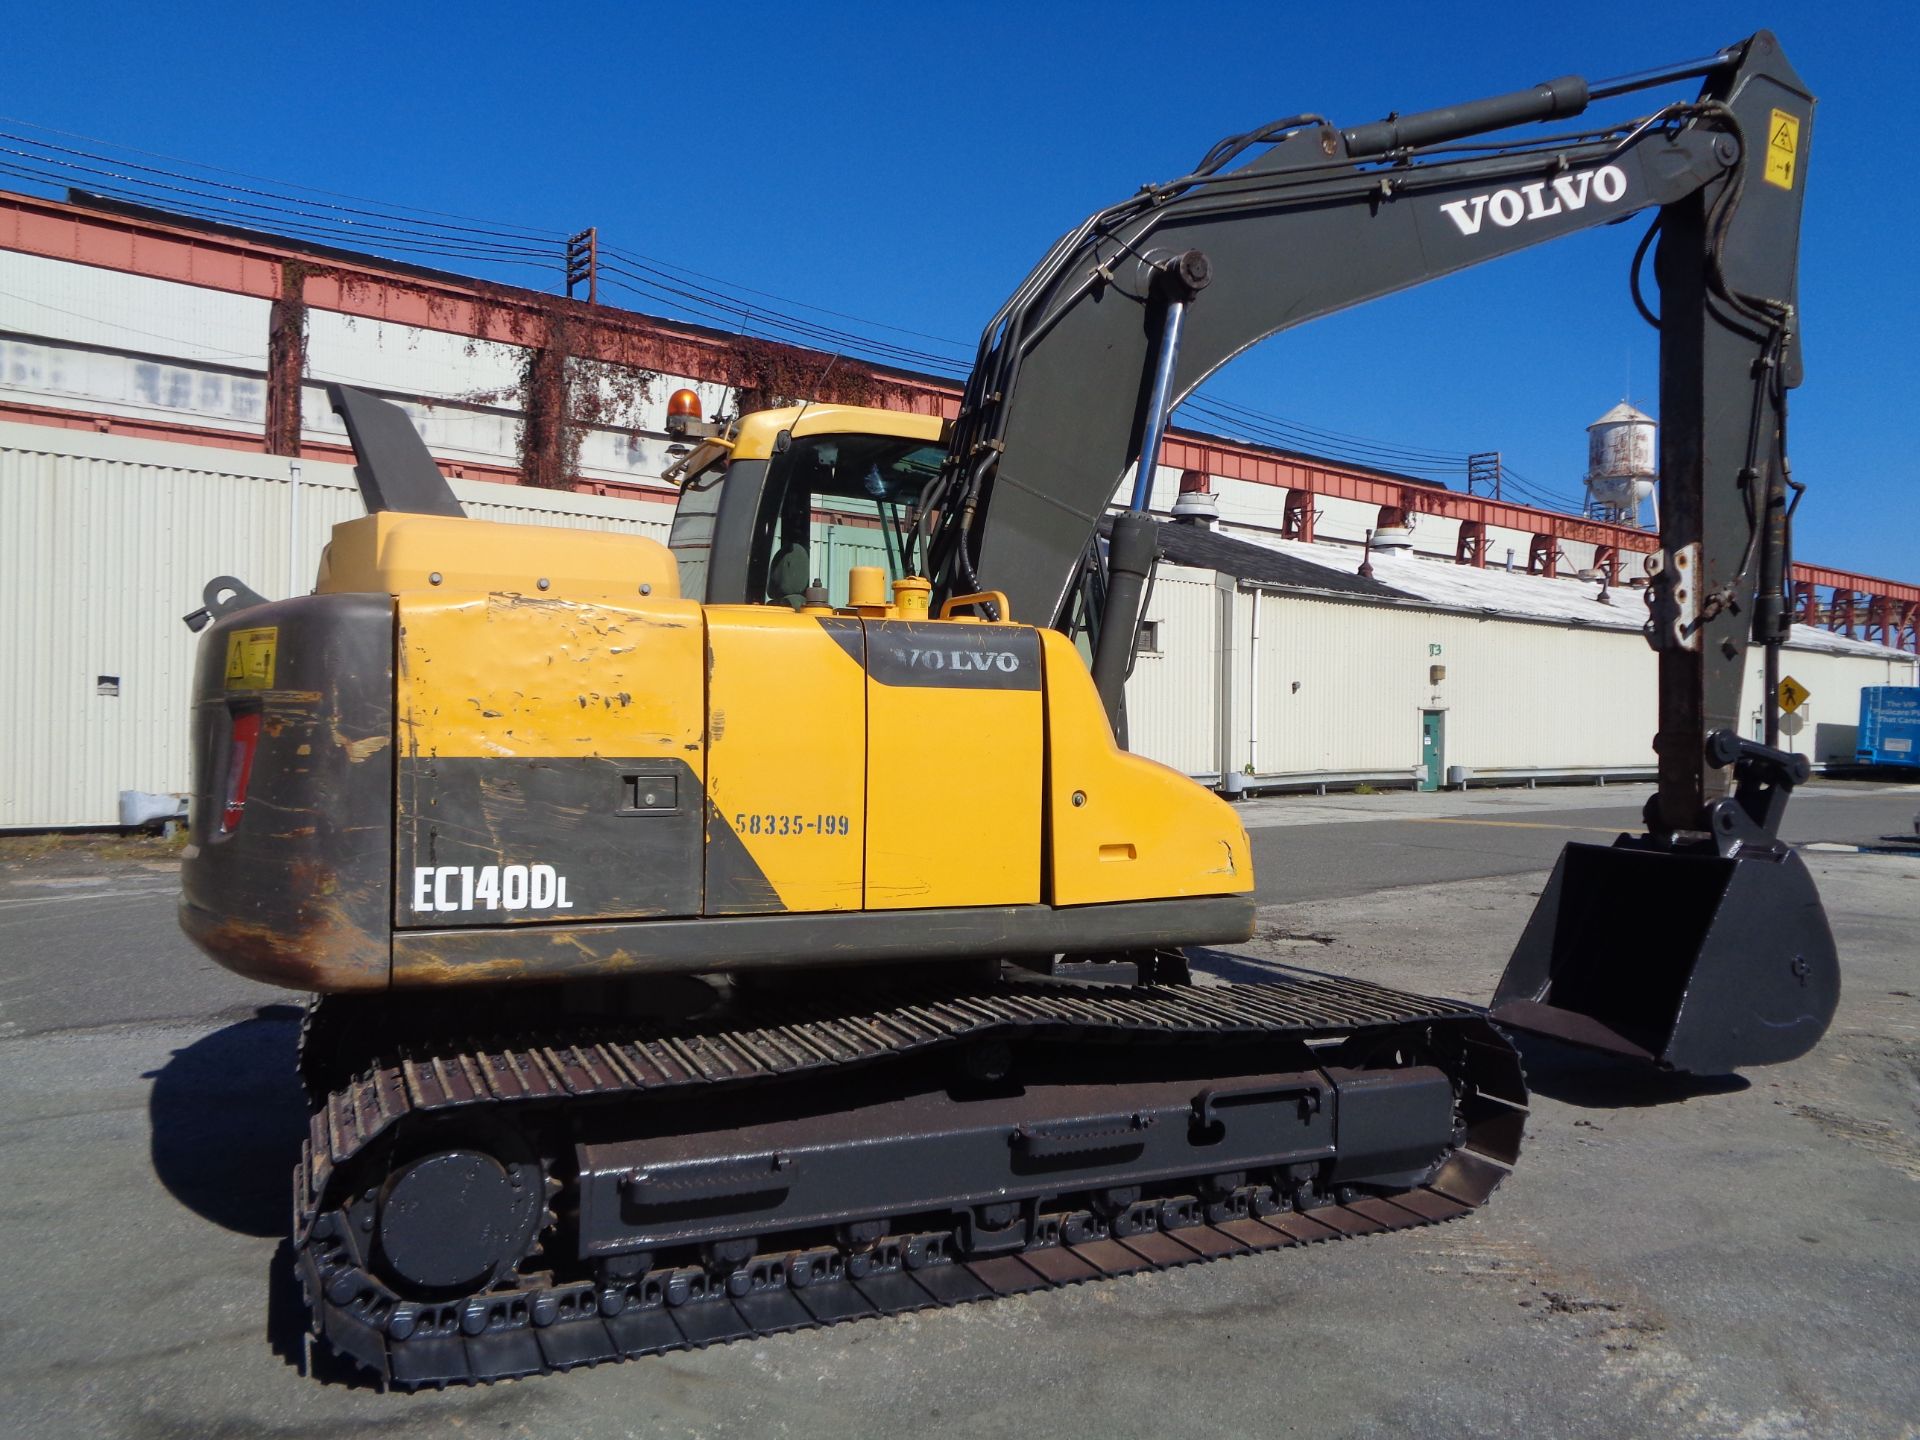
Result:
802,494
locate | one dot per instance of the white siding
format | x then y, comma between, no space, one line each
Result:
1341,687
1172,699
105,543
103,342
110,309
1828,724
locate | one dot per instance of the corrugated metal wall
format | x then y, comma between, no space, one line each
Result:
105,543
1826,727
1173,698
1341,686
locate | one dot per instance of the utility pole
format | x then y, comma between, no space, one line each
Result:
583,263
1484,469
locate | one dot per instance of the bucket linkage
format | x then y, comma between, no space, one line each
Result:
1696,952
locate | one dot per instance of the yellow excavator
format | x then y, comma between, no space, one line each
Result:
686,919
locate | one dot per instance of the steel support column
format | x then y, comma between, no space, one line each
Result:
286,360
1543,556
1296,522
1471,546
543,440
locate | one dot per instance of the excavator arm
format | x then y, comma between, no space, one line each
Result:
1302,219
1077,373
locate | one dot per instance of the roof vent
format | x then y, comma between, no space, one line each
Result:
1196,503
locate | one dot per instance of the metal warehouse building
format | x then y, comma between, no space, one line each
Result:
163,420
1276,665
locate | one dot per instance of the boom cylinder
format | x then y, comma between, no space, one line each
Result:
1552,100
1130,556
1157,404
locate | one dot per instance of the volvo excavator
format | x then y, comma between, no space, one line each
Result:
686,935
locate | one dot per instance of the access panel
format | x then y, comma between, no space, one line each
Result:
955,764
786,744
550,762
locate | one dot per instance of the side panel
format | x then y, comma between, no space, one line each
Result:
787,735
955,764
293,891
551,761
1121,827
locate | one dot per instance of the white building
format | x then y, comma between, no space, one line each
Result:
1278,664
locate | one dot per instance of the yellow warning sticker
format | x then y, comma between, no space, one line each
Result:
1783,148
250,657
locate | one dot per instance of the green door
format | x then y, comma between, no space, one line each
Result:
1433,772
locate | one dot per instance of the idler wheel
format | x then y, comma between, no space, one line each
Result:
456,1221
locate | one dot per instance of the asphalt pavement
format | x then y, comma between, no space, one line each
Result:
1735,1258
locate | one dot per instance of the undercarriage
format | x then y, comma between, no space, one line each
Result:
500,1205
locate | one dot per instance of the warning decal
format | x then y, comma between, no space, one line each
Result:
250,655
1783,148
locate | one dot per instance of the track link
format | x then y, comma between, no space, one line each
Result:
536,1324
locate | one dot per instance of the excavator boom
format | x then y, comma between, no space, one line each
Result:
1140,303
1302,218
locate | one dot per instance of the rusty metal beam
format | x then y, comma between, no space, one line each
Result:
1848,580
286,360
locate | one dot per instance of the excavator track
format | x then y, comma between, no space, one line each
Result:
575,1144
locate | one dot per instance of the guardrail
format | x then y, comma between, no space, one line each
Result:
1318,781
1460,777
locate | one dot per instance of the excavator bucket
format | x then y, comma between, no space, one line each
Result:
1692,960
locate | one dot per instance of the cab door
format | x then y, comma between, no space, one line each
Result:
786,761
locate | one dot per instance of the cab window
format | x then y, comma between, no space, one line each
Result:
832,502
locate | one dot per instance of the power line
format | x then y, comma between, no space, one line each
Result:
1446,457
203,194
1286,436
1551,499
190,188
373,225
530,231
289,226
646,261
713,307
1371,456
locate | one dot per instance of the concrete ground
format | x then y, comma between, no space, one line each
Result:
1737,1258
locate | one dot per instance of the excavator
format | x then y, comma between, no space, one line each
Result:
701,954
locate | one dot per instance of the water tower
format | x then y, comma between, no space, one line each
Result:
1620,464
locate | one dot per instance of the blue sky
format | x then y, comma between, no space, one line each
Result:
907,165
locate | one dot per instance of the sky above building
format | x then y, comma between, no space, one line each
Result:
905,166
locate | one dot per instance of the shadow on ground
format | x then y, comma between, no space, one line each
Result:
1597,1081
1251,969
1586,1078
227,1120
